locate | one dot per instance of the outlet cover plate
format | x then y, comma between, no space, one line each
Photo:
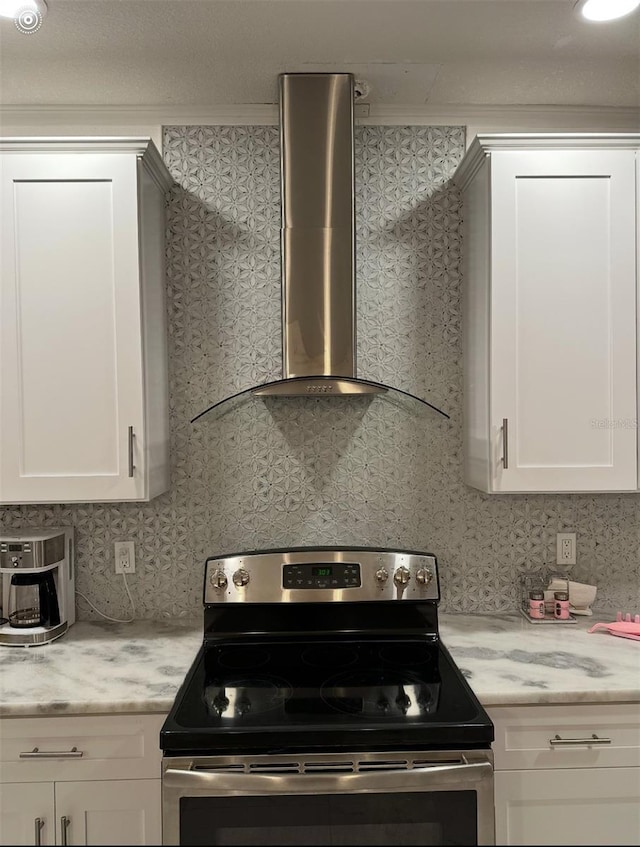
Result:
566,548
125,556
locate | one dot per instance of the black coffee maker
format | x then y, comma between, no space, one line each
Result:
33,600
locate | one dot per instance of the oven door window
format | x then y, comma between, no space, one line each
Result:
420,818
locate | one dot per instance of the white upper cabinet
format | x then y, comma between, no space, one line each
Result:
84,399
549,313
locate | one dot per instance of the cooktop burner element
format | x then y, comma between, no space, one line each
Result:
370,693
242,657
232,699
335,656
405,655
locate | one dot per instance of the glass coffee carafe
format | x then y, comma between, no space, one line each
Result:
33,600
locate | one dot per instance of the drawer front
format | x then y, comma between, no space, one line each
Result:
562,736
111,747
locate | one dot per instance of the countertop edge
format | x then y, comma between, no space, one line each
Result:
60,710
163,706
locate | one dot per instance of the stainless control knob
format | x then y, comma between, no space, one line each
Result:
219,580
241,578
424,576
382,575
15,561
402,575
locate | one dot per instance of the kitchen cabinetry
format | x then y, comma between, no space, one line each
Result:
549,312
84,780
27,813
567,774
83,373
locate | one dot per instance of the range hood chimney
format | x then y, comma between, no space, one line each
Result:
318,242
318,237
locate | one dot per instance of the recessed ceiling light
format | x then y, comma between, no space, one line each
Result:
11,8
605,10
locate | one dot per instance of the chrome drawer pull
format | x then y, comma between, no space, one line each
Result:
584,742
74,753
64,825
505,443
39,824
132,435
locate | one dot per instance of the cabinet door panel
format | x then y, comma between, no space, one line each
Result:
110,812
21,805
563,321
590,806
71,348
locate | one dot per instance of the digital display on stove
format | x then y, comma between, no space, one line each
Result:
321,575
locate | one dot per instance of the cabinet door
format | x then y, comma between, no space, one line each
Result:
26,813
109,812
587,806
71,360
563,320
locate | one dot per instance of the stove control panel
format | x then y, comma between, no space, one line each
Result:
321,574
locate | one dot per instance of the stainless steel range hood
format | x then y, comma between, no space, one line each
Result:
318,243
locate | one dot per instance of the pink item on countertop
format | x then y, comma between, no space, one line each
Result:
626,628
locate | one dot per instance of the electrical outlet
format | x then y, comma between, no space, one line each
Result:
566,548
125,556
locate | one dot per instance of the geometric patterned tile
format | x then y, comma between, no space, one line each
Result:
326,470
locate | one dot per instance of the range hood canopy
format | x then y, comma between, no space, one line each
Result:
317,178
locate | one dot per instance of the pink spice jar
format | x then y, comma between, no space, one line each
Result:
561,605
536,604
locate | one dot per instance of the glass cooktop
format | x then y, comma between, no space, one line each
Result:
325,693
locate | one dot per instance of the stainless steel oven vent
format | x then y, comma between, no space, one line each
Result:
274,767
336,763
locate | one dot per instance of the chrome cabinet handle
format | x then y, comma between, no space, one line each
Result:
74,753
583,742
64,826
132,435
39,824
505,443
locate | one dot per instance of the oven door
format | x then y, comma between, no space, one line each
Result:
421,798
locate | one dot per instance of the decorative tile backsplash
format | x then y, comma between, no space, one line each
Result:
326,470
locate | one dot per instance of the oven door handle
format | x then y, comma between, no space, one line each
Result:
230,782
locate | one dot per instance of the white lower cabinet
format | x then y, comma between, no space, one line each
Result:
123,811
27,813
80,780
567,774
590,806
107,812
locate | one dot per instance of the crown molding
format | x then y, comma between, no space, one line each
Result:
560,118
484,144
481,117
141,147
138,115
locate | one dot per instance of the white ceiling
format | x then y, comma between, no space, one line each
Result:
215,52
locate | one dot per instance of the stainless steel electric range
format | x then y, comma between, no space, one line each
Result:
322,708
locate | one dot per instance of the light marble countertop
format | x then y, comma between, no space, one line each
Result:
99,668
506,660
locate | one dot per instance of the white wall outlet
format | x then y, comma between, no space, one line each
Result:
125,556
566,548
